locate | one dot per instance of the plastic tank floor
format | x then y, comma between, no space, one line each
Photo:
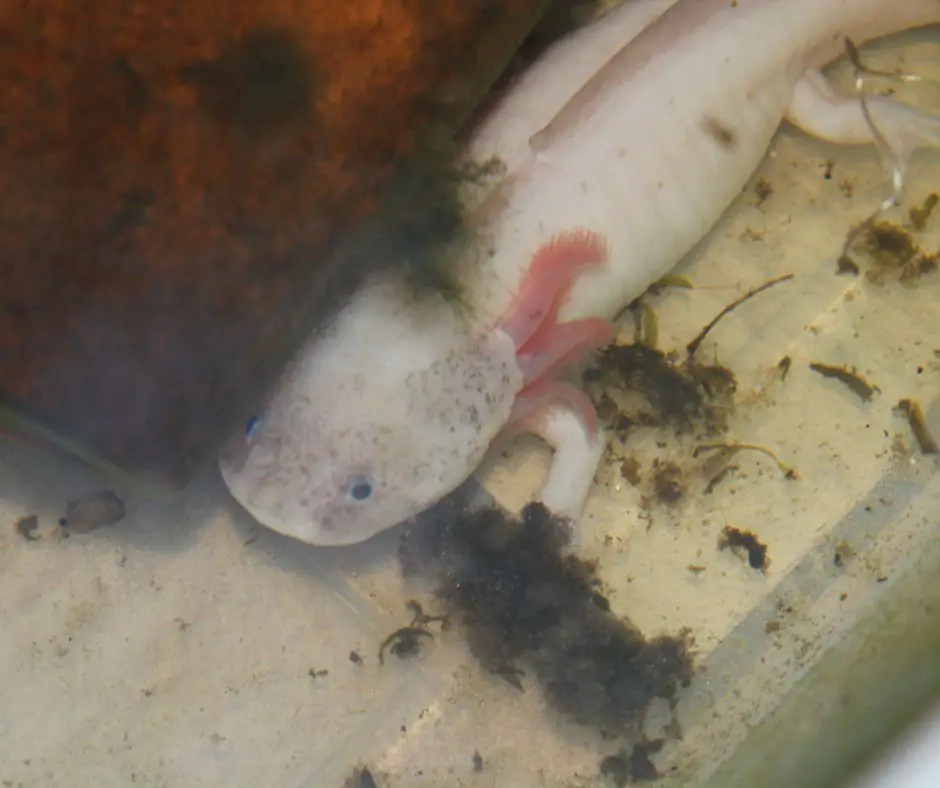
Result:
186,646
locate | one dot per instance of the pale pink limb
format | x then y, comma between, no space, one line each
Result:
549,278
535,400
564,417
558,412
545,347
566,345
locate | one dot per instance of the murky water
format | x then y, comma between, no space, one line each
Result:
187,647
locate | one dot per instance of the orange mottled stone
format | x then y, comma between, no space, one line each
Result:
174,180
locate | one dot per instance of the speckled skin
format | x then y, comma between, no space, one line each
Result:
324,429
643,145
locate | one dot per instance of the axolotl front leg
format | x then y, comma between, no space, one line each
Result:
554,409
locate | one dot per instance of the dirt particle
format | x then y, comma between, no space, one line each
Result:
918,423
405,642
92,511
667,482
846,265
849,376
634,767
745,541
718,478
842,554
890,245
763,189
630,470
27,527
920,214
894,254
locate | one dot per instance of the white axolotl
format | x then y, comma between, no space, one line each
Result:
622,147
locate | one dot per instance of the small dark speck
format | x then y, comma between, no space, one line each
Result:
722,133
667,482
27,527
355,658
763,189
477,761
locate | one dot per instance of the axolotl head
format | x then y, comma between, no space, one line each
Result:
381,415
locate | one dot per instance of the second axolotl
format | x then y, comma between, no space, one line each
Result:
620,148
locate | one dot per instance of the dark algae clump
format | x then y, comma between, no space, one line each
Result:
632,767
530,612
892,252
747,543
685,396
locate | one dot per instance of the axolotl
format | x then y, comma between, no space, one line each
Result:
620,148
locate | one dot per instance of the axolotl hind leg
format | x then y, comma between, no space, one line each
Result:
558,412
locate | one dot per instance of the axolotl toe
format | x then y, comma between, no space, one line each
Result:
622,147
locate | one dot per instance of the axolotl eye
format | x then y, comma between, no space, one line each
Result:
251,426
359,489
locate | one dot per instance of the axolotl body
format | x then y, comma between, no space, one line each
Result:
620,149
